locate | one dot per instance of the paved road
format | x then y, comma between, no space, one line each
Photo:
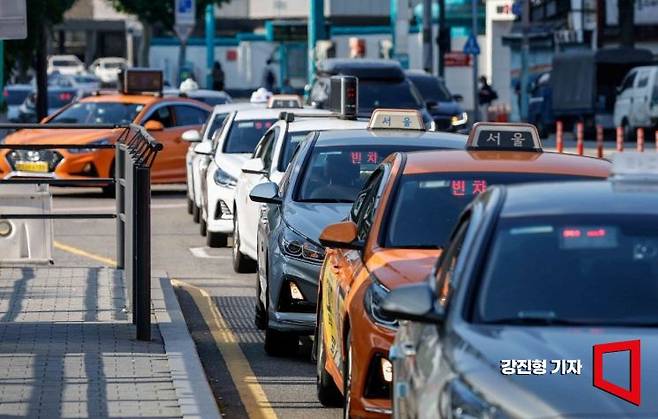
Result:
217,303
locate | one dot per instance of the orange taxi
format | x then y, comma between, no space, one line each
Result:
400,220
166,118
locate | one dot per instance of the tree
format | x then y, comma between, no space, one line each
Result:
151,12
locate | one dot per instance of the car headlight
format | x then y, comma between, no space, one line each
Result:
374,297
459,119
458,401
224,179
298,247
104,141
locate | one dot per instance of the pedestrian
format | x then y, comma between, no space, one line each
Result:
217,77
486,95
269,79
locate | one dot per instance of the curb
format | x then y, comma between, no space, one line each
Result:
195,397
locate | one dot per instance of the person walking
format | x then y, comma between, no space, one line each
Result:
217,77
269,79
486,95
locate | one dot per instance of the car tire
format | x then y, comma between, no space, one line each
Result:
190,206
280,343
241,263
347,377
203,227
196,214
328,393
216,239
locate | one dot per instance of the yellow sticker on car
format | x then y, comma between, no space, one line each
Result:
32,166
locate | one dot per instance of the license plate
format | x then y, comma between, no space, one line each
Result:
32,166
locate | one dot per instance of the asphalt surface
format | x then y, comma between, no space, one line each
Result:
217,303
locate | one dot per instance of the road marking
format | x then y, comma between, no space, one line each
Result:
251,393
79,252
202,253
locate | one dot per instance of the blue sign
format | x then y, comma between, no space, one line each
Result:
517,8
472,47
185,6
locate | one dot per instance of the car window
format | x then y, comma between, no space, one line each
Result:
269,149
628,81
163,115
432,89
290,144
448,262
643,80
262,144
368,206
189,115
217,122
386,94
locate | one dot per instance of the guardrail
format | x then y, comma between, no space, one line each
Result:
135,151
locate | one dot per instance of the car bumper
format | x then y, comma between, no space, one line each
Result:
72,166
219,211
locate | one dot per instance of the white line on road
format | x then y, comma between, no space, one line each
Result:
202,253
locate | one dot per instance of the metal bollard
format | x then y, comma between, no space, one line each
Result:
119,187
580,132
620,138
640,139
599,141
559,136
142,247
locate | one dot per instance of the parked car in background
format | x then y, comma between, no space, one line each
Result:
58,97
447,113
85,83
637,100
14,95
65,64
107,68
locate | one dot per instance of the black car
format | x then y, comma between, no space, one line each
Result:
382,84
447,113
58,97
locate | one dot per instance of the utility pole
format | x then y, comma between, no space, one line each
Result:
474,32
427,36
42,72
210,44
443,38
316,31
525,51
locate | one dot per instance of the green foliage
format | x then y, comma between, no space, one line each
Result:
158,11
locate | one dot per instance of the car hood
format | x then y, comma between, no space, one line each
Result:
395,267
59,136
309,219
446,108
232,163
478,351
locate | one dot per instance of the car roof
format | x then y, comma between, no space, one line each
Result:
580,197
236,106
506,161
322,124
386,136
363,69
136,99
420,74
262,112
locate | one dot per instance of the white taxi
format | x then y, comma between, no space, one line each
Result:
268,164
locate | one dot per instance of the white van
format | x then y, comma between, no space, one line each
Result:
637,100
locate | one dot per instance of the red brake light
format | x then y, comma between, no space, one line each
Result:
570,233
5,93
599,232
65,96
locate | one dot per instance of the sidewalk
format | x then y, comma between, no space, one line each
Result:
67,349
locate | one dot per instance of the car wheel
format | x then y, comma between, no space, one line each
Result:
280,343
241,263
216,239
196,214
203,227
190,206
347,378
328,392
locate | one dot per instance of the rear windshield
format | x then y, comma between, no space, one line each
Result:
244,135
427,206
290,144
337,173
598,264
431,89
384,94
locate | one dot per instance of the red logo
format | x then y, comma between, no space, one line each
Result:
631,395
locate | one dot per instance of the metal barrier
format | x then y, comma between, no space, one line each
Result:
135,151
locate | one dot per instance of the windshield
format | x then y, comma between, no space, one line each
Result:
384,94
432,89
337,173
427,206
598,264
113,64
244,135
99,113
290,144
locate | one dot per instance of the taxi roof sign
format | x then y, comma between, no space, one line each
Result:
285,102
407,119
140,80
504,137
635,166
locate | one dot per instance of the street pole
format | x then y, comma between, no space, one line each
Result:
181,56
42,73
474,31
525,50
2,70
441,45
427,36
210,43
315,32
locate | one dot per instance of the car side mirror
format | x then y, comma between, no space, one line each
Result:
191,136
458,98
343,235
204,148
414,302
153,125
265,193
254,167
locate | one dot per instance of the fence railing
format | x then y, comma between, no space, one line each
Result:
135,151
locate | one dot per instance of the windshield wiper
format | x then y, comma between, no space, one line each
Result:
327,201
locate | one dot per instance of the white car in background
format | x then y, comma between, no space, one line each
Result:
636,105
268,164
65,64
235,144
197,164
107,68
